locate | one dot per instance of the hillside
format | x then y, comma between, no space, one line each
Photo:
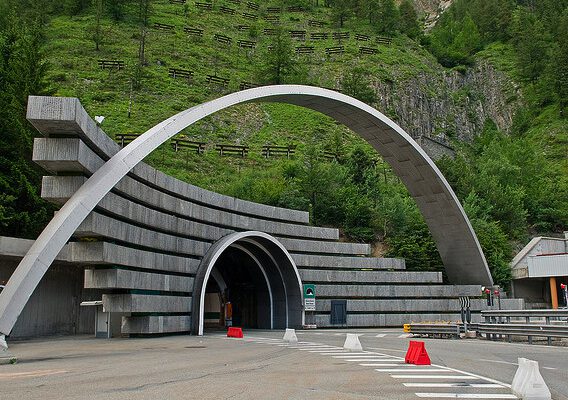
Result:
479,102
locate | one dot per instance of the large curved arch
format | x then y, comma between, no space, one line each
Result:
456,241
283,270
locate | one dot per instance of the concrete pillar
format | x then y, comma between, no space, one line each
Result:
553,292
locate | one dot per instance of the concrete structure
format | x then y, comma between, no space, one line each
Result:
151,242
539,270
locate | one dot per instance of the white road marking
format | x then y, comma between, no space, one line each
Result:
512,363
376,365
404,335
358,356
433,370
455,384
467,395
372,360
381,335
382,348
434,376
325,352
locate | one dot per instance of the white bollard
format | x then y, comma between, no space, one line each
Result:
352,342
519,376
290,336
533,386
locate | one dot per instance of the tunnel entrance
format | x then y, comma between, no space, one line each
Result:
237,293
249,280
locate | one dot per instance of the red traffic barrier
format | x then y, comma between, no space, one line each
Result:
417,354
235,332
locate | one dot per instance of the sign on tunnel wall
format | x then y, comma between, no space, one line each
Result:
309,297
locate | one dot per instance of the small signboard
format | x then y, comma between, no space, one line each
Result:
309,297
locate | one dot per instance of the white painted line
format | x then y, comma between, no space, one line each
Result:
455,384
308,348
512,363
321,352
434,376
372,360
467,395
358,355
382,348
404,335
410,370
381,335
376,365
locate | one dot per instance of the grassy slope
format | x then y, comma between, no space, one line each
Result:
74,72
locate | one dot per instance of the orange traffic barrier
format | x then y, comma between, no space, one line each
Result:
417,354
235,332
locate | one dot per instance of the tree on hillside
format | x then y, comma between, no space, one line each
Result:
74,7
22,70
97,31
342,11
531,43
559,61
493,18
355,83
409,19
279,63
388,17
373,8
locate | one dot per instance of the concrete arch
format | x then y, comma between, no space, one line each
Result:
281,269
456,241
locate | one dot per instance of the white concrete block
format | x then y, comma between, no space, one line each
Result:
352,342
290,336
528,383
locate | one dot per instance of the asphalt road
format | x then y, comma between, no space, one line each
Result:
262,367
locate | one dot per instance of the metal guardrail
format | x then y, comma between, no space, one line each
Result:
491,331
436,329
498,324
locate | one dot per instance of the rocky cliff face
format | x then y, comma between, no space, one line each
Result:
450,104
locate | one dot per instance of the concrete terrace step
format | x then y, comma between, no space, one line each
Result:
371,277
126,279
317,261
65,115
143,303
391,291
97,253
156,324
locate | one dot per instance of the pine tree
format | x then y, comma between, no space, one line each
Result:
388,17
279,63
355,83
408,19
342,11
22,212
531,44
559,62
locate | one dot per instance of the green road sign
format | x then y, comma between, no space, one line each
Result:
310,291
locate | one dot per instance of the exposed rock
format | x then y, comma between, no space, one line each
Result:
450,104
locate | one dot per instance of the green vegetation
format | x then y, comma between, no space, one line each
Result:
512,185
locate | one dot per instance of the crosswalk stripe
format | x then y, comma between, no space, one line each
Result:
365,355
410,370
373,360
434,376
455,384
467,395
